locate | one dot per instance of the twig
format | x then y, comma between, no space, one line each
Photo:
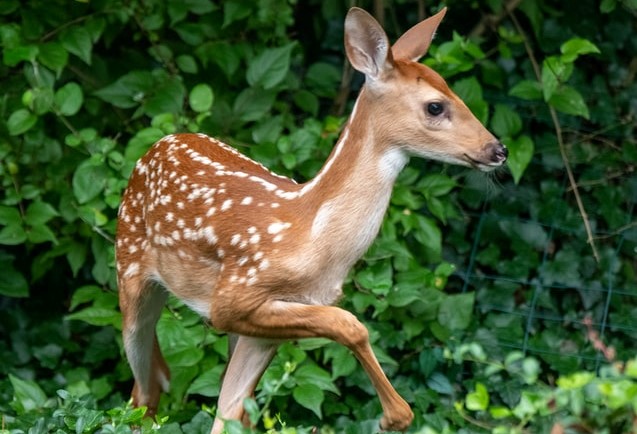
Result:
560,140
592,335
494,20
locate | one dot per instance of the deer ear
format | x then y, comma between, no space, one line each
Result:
366,44
414,43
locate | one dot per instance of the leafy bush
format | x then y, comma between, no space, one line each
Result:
461,263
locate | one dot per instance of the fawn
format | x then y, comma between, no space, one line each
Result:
262,257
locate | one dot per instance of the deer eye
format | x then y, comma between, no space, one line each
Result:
435,108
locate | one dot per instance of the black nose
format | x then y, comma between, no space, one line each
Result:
499,152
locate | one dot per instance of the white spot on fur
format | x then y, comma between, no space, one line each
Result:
277,227
226,205
132,270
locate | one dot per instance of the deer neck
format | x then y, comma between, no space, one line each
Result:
350,194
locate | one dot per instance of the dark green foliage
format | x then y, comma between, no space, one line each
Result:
476,290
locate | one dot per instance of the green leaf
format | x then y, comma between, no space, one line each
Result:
20,122
128,90
77,40
270,67
89,180
234,11
505,122
478,400
187,64
39,212
439,383
307,101
456,310
470,91
428,234
141,142
166,97
520,155
76,256
97,316
40,233
253,103
13,234
53,56
574,47
69,99
201,98
568,100
12,282
554,73
208,383
9,215
436,185
14,55
27,394
310,397
309,373
527,89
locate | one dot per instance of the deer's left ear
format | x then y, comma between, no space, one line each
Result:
415,42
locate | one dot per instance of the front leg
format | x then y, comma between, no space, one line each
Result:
249,358
289,320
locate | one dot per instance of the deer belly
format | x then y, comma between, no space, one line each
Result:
191,280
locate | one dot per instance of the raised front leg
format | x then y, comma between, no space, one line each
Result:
287,320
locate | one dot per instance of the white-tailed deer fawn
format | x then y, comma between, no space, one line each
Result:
264,258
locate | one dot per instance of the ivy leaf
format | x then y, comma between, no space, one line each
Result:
315,375
128,90
12,282
527,89
27,394
77,40
478,400
234,11
13,234
208,383
69,99
520,155
310,397
455,311
436,185
505,122
270,67
574,47
568,100
14,55
21,121
554,72
253,103
439,383
40,233
97,316
53,56
89,180
201,98
167,96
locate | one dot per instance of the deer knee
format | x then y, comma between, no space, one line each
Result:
351,332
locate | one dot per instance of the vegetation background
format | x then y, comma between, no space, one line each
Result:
505,304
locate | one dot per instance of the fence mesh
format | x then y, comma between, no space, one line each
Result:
550,306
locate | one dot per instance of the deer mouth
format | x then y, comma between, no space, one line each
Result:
483,166
496,155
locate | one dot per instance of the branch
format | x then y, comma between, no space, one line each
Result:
560,141
492,20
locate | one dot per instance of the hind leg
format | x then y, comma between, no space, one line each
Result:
141,303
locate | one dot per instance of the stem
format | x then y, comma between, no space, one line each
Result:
560,141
